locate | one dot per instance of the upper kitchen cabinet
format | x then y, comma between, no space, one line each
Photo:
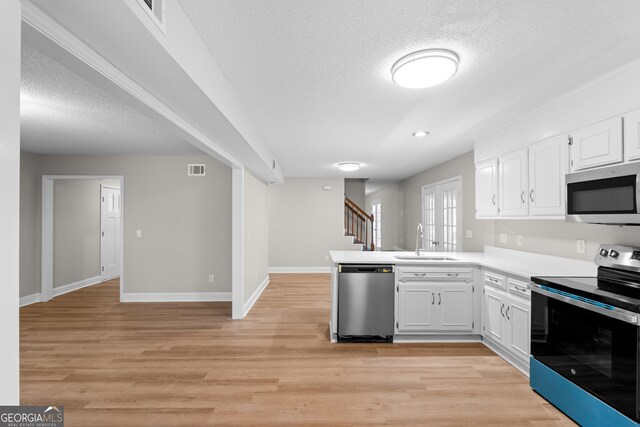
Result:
548,165
597,144
512,183
487,188
632,135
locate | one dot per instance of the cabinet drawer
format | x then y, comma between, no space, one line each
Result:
519,288
457,275
495,280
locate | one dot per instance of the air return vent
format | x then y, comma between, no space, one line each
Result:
196,170
156,11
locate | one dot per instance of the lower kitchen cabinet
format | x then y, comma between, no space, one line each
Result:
434,307
506,320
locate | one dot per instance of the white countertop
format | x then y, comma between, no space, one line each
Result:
519,263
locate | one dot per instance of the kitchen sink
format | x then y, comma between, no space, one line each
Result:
424,257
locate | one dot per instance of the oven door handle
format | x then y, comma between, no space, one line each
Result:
616,313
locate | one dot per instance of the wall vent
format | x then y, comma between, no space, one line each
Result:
156,10
196,170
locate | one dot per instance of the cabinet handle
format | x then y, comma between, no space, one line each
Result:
439,298
502,310
453,274
521,289
493,199
507,313
420,274
531,195
433,299
522,196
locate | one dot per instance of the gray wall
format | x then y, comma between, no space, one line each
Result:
256,234
76,231
30,224
354,189
186,221
306,222
556,237
402,204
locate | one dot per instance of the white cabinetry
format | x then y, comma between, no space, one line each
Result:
632,135
434,301
597,144
547,168
512,184
487,188
506,316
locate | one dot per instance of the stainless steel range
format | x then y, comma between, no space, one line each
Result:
585,340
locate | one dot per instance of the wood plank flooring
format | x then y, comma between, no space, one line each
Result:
189,364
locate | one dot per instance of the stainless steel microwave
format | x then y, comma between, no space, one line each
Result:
604,196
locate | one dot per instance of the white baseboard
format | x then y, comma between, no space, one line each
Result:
176,297
246,307
30,299
76,285
299,269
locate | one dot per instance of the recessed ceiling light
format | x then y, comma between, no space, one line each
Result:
425,68
349,166
420,133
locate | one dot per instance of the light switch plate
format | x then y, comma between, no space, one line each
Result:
138,233
468,234
519,240
580,246
503,237
212,278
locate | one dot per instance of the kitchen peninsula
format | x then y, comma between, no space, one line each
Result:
461,296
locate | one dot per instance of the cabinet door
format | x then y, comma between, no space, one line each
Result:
493,320
512,183
455,307
416,305
632,135
596,145
518,330
487,189
547,168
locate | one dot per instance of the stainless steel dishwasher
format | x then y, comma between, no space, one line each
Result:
365,303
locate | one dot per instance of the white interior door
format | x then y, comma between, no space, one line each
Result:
110,232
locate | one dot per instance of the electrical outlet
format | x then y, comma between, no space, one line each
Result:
519,240
212,278
326,257
580,246
468,234
138,233
503,237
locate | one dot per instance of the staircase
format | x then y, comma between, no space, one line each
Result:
359,225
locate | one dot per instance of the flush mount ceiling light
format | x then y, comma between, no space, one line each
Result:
424,68
420,133
349,166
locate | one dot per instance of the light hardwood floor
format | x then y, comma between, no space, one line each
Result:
149,364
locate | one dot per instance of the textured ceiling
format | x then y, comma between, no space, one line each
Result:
61,113
315,76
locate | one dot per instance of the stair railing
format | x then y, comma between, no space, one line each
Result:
359,224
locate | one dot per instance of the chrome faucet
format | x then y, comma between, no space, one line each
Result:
419,236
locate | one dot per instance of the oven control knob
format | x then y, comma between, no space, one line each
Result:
613,253
604,252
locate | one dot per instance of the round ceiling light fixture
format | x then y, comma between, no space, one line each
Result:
425,68
420,133
349,166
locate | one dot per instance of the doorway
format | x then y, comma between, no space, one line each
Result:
112,242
